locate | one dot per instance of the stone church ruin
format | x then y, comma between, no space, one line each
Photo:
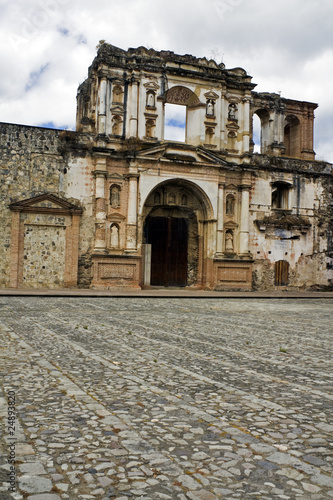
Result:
117,204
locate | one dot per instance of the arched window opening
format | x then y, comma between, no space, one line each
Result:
292,138
280,195
174,122
261,131
256,133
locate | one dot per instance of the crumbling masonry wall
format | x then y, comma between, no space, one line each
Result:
35,161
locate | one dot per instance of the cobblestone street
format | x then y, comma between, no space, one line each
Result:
158,399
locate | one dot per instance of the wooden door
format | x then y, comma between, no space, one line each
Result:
168,237
281,273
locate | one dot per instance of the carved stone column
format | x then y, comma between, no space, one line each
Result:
220,212
246,124
132,217
14,249
100,207
102,106
133,125
244,223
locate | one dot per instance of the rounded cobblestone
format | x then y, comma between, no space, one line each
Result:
126,398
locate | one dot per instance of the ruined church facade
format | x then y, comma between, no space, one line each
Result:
116,204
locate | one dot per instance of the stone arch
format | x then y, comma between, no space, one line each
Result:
180,123
176,232
206,208
263,132
182,96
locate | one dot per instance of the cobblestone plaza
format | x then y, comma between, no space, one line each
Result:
166,398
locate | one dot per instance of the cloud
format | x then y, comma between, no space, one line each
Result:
46,47
35,77
175,122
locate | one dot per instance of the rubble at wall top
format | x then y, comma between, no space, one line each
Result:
142,58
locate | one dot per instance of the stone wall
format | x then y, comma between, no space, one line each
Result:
30,164
35,161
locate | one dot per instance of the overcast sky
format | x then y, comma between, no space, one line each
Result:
46,47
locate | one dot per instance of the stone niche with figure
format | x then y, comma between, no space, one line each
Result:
167,182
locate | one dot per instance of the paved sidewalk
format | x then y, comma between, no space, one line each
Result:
161,292
119,398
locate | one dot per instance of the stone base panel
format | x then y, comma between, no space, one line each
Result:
232,275
116,271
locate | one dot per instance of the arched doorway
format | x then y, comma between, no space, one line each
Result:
168,237
174,217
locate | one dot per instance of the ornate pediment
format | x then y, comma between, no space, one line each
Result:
172,152
211,95
151,86
45,203
115,176
117,110
116,217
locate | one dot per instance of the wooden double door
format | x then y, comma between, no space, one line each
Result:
169,239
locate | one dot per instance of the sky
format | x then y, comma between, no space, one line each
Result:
46,47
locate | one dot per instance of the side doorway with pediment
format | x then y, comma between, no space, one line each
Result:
44,243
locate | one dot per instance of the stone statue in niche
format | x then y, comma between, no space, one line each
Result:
209,134
114,236
172,198
116,125
184,199
118,94
150,124
232,114
210,108
115,196
150,100
230,205
229,241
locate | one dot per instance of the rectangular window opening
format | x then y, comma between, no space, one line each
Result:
174,122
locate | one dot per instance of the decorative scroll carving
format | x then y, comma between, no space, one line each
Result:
181,95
